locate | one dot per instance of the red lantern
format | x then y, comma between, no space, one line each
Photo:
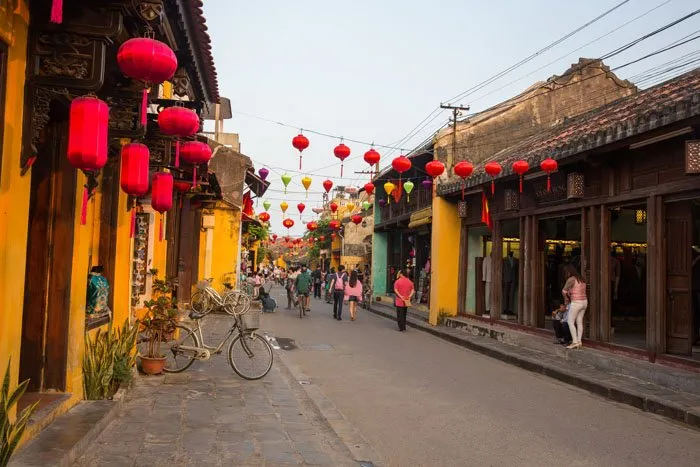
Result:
493,169
274,236
372,157
182,187
322,237
333,235
401,164
333,206
301,207
148,60
179,122
312,226
434,168
300,142
520,168
549,165
288,223
334,224
463,169
369,188
195,153
327,185
356,219
264,216
342,152
161,196
87,139
134,174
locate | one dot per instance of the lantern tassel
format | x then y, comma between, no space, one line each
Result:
493,187
144,107
299,160
521,184
549,184
57,11
177,153
160,228
341,170
83,211
133,223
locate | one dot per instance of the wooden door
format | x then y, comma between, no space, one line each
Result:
679,311
46,313
188,254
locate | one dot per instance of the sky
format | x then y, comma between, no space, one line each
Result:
373,70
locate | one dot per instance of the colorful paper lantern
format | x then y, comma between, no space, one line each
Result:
408,188
334,224
350,206
161,196
401,164
285,180
266,205
182,187
87,139
388,188
356,219
520,168
549,166
179,122
382,203
301,207
306,181
366,205
342,152
263,172
333,235
434,168
284,206
134,174
463,170
372,157
300,142
369,188
148,60
311,226
288,223
493,169
195,153
333,206
427,184
264,216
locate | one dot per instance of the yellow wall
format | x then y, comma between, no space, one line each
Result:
121,289
14,190
225,247
445,263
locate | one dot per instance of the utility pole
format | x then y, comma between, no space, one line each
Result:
455,113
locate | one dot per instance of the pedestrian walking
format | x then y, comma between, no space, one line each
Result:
353,293
574,293
327,285
404,290
338,286
317,276
291,280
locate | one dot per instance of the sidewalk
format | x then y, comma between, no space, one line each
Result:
654,388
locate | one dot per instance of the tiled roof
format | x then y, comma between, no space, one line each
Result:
201,44
653,108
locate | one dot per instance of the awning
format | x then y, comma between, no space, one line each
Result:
229,167
422,217
257,185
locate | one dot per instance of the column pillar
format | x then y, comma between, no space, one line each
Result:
497,270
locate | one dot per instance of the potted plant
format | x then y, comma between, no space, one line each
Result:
158,325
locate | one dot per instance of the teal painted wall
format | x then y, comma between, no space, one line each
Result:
475,251
379,262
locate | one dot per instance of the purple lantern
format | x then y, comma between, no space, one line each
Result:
427,184
382,202
263,173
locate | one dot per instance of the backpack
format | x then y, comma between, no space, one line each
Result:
343,278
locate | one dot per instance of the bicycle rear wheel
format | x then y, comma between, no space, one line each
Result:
250,356
201,302
177,360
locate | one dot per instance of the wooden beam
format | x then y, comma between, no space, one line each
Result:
463,268
497,271
594,256
656,279
521,274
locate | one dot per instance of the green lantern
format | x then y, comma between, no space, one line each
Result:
408,188
366,205
266,205
286,179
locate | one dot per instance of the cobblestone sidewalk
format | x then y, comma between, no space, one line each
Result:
208,416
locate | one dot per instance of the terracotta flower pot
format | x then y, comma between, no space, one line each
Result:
152,365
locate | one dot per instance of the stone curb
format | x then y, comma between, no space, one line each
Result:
354,442
652,404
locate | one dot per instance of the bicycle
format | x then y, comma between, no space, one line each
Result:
246,348
206,300
302,308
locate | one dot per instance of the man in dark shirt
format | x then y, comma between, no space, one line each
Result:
317,277
303,287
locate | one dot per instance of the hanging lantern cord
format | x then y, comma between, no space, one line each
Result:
160,230
133,219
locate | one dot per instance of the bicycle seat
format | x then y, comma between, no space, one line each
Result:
195,315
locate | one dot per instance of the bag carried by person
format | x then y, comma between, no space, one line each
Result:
340,281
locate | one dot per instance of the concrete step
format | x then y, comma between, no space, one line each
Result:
65,440
616,364
680,406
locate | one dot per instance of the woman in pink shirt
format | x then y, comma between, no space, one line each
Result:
353,293
404,290
574,293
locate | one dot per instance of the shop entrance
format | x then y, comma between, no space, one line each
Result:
626,260
510,269
560,238
45,318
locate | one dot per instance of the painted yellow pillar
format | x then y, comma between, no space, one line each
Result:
444,259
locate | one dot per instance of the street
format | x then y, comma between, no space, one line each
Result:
421,401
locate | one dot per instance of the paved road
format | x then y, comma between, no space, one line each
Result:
208,416
421,401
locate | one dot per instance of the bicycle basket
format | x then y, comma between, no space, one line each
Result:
251,319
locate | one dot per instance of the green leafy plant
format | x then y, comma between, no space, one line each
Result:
161,318
11,432
108,360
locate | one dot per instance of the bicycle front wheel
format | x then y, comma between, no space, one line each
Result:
177,359
250,356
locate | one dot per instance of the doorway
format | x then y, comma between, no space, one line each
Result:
46,314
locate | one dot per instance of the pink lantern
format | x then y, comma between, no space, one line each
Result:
195,153
162,196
